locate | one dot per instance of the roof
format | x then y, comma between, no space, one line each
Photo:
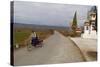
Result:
78,29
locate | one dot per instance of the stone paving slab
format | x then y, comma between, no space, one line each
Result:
87,46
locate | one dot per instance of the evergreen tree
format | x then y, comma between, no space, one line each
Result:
74,23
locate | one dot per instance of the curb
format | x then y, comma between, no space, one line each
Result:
79,49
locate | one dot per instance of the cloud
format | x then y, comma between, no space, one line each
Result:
48,13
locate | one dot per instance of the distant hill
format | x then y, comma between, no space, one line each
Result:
40,27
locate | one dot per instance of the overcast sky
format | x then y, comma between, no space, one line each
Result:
48,13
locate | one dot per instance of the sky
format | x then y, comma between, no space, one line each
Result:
51,14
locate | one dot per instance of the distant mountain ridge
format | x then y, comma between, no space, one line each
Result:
34,26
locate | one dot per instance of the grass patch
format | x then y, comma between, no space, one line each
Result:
20,35
69,33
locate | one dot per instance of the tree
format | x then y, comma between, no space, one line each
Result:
74,23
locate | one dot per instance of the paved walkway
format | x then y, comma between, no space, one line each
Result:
88,47
56,49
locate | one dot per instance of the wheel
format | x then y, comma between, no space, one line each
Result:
29,47
40,45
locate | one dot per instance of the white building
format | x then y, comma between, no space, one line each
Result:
89,27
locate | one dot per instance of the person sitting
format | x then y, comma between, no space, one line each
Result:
35,39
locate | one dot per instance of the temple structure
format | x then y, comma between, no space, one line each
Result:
90,26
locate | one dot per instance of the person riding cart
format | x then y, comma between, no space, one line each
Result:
35,41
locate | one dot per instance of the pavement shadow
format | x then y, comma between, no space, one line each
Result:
92,55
